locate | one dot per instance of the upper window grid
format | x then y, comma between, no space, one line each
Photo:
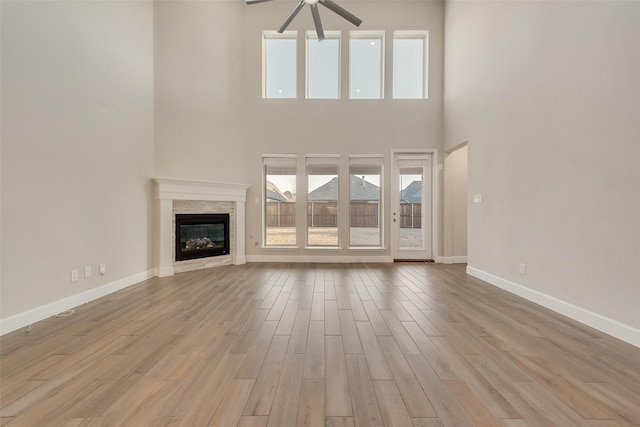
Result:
366,70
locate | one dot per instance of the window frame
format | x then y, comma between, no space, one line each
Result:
412,35
327,160
283,160
369,160
329,35
274,35
365,35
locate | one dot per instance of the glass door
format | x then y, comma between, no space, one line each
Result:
411,210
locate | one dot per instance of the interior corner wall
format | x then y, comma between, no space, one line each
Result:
213,125
455,205
547,95
77,151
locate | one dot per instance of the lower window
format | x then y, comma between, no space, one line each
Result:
280,201
322,201
365,199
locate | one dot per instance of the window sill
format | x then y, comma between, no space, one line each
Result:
324,248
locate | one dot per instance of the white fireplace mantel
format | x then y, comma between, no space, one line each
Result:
169,189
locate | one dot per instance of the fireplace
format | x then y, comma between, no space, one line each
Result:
201,235
180,196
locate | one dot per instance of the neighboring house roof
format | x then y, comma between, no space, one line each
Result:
364,190
360,190
412,193
275,195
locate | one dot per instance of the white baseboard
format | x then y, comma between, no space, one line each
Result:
604,324
320,259
34,315
454,260
165,271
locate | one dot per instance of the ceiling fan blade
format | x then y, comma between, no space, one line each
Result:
329,4
292,15
316,20
255,1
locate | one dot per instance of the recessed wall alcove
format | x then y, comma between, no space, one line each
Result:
178,196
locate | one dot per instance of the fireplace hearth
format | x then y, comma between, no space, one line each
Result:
201,235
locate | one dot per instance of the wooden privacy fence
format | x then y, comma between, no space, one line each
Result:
281,214
365,214
322,214
325,214
410,215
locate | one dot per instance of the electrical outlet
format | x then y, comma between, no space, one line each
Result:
523,268
87,271
103,268
75,275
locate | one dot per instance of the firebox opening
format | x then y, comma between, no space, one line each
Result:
201,235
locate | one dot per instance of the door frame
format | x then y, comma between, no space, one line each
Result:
435,191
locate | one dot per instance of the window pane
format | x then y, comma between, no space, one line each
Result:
411,235
280,206
323,69
366,68
365,205
408,68
280,68
322,205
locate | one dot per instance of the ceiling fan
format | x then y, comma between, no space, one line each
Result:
313,4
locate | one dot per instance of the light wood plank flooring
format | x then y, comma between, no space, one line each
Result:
279,345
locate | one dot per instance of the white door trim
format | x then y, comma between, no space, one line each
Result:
435,196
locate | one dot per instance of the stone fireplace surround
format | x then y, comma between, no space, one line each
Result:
185,196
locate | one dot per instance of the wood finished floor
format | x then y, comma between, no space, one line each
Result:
406,344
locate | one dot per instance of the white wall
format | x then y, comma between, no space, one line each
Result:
455,205
212,123
77,150
547,95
